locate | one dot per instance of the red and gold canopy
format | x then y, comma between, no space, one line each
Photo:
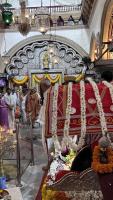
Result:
92,115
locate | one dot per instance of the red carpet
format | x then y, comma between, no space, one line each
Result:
39,195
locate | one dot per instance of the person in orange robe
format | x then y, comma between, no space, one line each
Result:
32,105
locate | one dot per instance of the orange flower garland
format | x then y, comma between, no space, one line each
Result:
99,167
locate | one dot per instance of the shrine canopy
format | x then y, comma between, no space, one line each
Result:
93,119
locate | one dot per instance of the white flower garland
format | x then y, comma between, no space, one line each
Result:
68,110
110,86
83,115
54,120
99,105
67,140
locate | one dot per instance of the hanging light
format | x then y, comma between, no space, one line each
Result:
6,59
7,17
42,29
42,19
24,26
56,60
51,49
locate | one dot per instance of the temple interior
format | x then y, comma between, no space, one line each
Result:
56,100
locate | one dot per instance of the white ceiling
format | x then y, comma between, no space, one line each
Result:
36,3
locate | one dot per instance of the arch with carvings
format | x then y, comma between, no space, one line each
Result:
29,54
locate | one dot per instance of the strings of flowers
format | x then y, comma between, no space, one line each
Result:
54,119
83,115
67,140
110,86
99,105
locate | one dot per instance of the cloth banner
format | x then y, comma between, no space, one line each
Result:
92,115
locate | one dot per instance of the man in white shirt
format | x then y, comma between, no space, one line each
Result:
14,98
11,106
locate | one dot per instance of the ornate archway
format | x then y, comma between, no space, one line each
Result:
31,54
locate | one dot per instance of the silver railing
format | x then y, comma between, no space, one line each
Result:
23,153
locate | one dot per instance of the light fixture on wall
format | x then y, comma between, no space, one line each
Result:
42,19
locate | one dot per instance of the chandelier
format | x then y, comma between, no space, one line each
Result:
42,19
5,57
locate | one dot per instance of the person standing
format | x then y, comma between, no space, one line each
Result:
32,106
15,99
3,112
10,104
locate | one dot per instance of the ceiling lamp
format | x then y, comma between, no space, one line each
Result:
51,49
6,59
42,19
56,60
24,26
7,15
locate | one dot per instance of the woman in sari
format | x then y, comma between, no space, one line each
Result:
3,112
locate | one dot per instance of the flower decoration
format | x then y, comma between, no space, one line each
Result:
110,86
54,119
83,115
99,105
100,167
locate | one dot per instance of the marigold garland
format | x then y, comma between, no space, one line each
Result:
20,82
99,167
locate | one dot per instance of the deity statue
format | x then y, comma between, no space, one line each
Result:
46,60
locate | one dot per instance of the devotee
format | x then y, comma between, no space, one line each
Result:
23,97
10,104
60,21
15,98
71,20
44,86
32,106
3,112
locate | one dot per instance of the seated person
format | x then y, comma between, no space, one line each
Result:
83,160
60,21
51,22
71,20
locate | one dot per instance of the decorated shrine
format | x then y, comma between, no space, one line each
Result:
77,117
56,100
